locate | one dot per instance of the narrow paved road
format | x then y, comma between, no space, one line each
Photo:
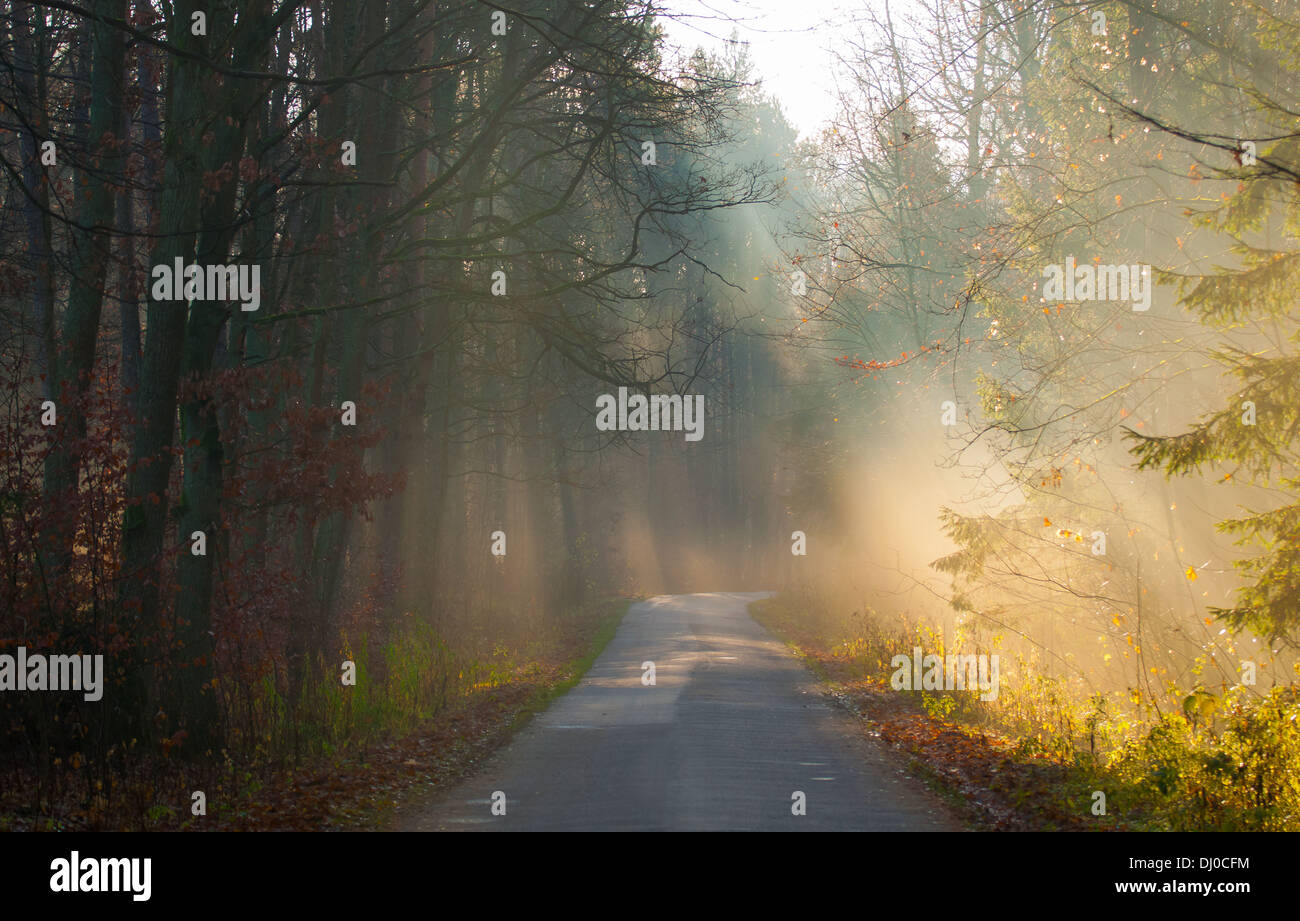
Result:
733,726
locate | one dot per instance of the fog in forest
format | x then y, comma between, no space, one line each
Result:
998,355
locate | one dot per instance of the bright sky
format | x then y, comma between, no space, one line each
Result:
789,43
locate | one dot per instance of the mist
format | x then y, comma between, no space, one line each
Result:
366,367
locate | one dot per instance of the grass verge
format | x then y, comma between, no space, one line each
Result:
973,770
425,722
1036,759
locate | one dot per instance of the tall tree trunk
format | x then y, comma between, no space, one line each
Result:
28,24
72,366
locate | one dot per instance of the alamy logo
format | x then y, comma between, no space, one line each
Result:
946,673
1089,282
657,413
52,673
103,874
181,282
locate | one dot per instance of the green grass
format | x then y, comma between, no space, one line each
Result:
615,610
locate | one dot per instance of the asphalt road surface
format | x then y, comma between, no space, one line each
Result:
733,726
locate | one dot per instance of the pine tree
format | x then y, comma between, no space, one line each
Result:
1256,435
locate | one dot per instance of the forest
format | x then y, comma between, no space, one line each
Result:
362,361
